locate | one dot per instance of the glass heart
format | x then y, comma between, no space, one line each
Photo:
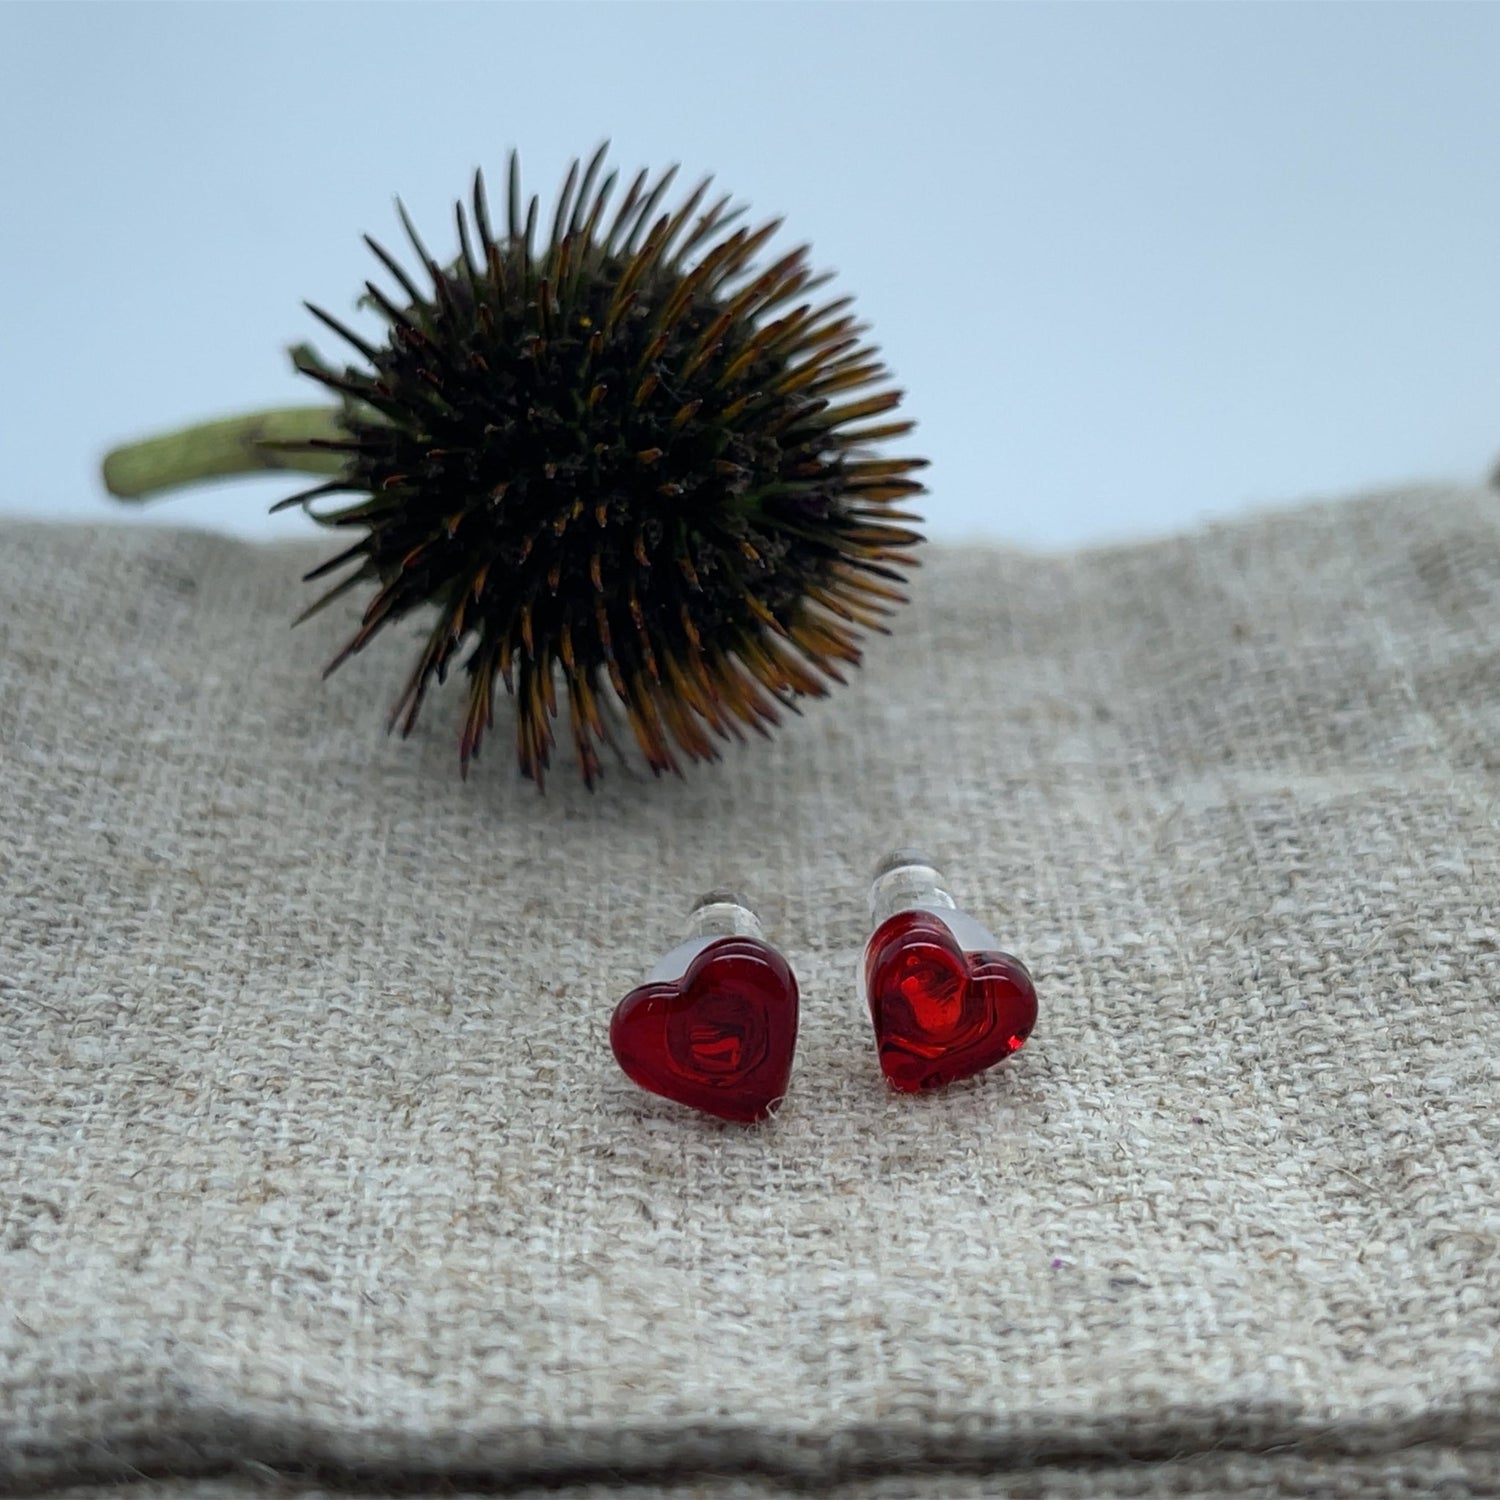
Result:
941,1013
721,1038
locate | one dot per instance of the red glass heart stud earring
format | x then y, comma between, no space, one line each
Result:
945,1002
714,1025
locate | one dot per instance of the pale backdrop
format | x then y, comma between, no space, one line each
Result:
1134,265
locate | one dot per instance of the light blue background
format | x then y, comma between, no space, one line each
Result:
1133,265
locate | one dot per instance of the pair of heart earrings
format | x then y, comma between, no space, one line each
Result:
714,1025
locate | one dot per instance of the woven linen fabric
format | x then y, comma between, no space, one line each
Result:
317,1172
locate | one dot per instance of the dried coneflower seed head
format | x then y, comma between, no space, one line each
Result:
628,469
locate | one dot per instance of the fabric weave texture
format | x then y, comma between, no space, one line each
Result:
315,1166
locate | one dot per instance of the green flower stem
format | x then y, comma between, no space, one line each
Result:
234,445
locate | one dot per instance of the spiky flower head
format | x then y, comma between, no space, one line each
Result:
631,472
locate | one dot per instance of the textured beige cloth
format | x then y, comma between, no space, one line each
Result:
314,1161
